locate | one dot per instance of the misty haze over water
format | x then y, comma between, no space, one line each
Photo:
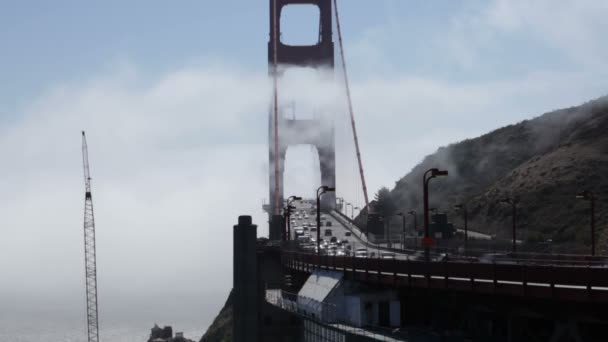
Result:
121,320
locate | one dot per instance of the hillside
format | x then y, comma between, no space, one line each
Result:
542,163
221,328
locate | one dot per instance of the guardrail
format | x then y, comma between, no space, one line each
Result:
360,236
575,283
471,253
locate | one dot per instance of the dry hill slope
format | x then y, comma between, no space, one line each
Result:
541,162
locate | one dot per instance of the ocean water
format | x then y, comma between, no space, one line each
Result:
27,330
124,321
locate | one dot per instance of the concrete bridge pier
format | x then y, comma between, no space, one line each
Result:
245,282
257,268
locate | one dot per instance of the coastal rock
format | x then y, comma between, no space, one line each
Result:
221,328
158,334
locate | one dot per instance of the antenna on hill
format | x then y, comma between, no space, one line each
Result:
90,261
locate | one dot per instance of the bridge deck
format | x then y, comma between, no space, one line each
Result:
568,283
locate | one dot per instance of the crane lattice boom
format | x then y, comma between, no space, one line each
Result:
89,250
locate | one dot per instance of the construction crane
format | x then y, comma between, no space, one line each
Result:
89,249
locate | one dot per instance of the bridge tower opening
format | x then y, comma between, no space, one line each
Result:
317,132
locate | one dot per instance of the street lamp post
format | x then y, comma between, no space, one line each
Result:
428,175
287,214
402,214
413,213
463,207
590,196
320,191
387,227
513,205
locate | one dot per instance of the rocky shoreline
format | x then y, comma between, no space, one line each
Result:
165,334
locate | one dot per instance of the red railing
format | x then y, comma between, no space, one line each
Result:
577,283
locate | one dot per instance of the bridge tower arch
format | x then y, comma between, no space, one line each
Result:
316,132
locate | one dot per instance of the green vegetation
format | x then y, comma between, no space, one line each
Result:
221,328
542,163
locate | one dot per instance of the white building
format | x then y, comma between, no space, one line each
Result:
329,298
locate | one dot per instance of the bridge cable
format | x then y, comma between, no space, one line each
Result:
277,205
350,106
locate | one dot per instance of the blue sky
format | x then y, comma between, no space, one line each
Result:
175,109
49,42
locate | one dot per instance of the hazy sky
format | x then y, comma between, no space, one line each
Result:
174,99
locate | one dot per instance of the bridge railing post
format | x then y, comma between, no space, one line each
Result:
409,272
446,271
395,267
588,278
428,273
524,271
378,273
472,279
552,280
494,280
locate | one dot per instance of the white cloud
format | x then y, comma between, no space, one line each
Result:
574,28
165,193
170,176
176,159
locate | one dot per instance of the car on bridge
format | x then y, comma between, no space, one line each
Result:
361,253
416,256
496,258
303,239
348,234
328,232
387,255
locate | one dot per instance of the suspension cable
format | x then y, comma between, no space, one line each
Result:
277,205
350,105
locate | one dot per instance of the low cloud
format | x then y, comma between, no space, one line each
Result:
177,158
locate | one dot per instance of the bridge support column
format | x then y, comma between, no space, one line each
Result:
281,161
245,282
277,228
315,132
327,161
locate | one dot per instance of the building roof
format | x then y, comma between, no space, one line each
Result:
320,284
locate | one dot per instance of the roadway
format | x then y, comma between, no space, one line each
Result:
304,220
304,217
